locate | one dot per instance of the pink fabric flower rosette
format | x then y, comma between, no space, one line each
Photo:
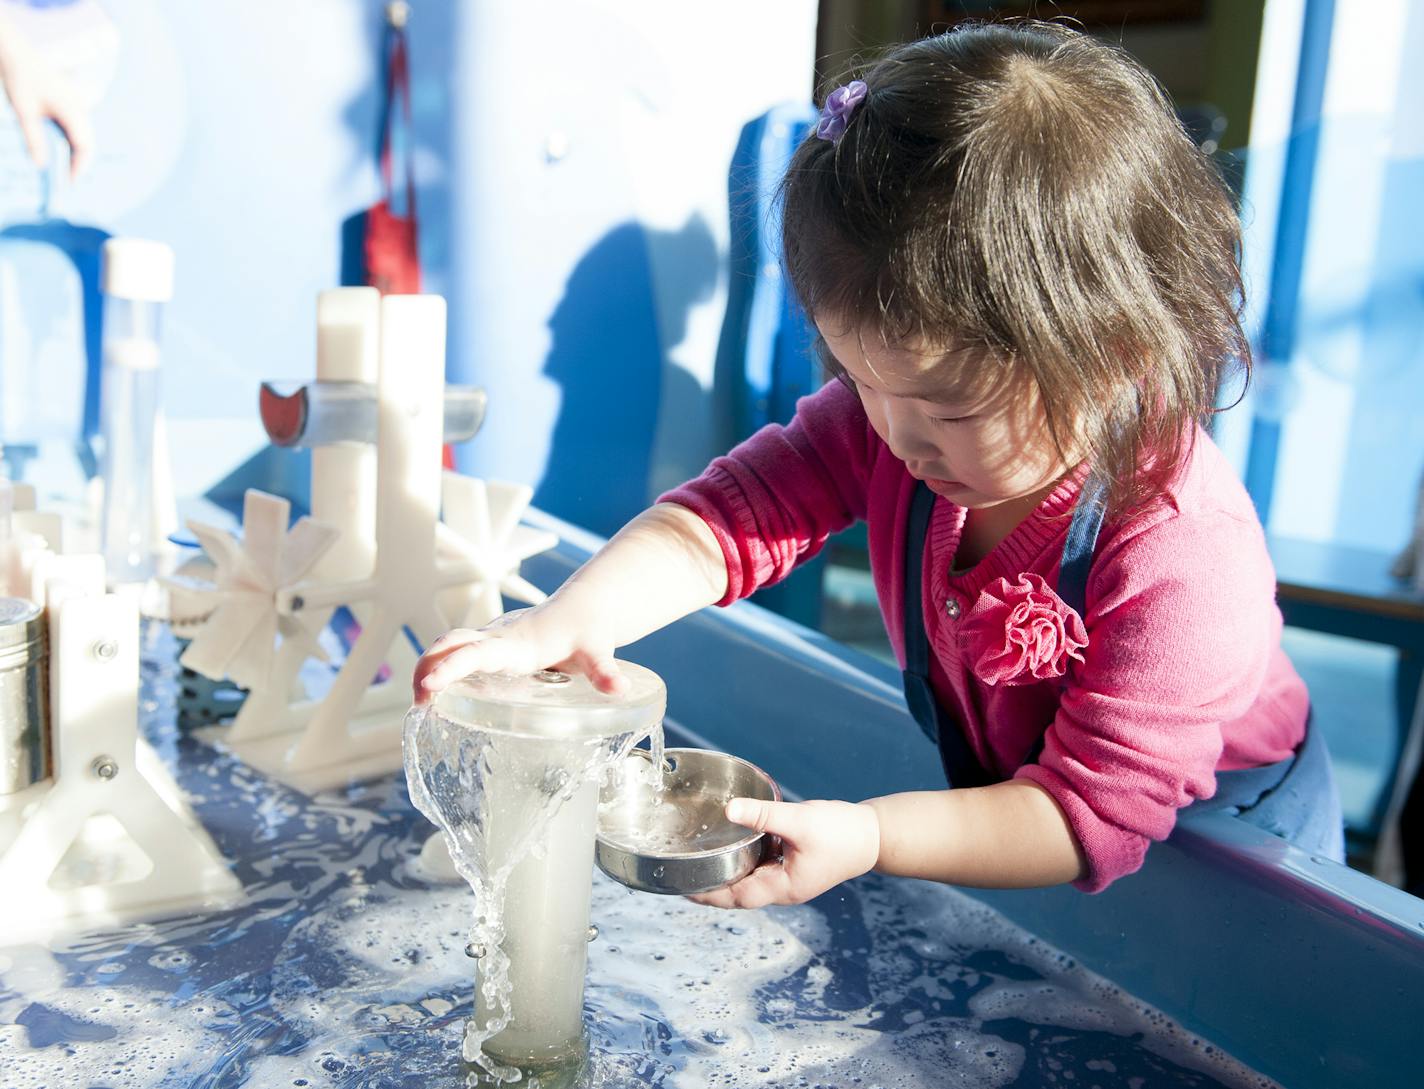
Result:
1022,632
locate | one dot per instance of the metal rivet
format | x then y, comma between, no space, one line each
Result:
552,676
951,606
106,650
105,767
298,603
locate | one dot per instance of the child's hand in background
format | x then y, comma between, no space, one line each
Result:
522,641
37,92
823,844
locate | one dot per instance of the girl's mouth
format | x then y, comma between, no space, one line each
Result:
943,487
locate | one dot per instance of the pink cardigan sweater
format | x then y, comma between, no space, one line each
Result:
1183,673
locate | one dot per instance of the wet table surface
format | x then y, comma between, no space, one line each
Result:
343,966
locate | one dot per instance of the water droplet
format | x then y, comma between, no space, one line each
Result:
474,951
592,931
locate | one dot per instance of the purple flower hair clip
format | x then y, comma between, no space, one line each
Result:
840,104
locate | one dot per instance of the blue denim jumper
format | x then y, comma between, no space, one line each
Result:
1294,798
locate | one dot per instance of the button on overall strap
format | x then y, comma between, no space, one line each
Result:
961,765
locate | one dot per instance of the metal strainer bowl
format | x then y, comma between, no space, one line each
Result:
682,843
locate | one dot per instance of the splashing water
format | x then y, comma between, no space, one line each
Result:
518,811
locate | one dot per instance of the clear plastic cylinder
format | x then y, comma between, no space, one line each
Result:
509,767
137,279
130,411
546,920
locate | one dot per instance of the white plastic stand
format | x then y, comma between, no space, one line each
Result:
396,566
109,838
25,535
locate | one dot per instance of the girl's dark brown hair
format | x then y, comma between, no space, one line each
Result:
1027,191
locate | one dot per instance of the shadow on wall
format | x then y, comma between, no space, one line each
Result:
610,356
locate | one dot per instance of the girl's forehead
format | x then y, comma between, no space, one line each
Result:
916,369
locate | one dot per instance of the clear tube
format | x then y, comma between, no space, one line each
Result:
331,412
129,409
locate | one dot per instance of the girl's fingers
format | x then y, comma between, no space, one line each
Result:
789,820
491,649
484,656
600,669
432,659
500,647
769,883
451,637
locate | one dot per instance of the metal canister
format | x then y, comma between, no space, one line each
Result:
24,695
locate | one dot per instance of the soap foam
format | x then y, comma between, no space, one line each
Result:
353,972
865,989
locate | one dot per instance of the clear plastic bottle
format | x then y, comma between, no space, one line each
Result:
137,280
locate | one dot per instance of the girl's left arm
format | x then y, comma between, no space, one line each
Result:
1008,835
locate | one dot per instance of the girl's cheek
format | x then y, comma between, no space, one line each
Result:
873,414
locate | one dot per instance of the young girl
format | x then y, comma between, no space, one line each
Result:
1025,277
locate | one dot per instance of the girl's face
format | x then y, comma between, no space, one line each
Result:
975,449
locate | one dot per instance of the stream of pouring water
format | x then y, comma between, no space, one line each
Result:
499,797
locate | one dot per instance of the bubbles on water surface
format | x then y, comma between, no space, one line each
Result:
342,967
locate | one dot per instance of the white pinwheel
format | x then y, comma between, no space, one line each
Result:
240,636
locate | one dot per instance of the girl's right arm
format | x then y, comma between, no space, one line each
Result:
775,498
661,566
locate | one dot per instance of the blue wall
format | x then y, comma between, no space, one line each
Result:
591,232
572,173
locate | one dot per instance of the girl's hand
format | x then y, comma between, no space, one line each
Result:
523,641
823,844
661,566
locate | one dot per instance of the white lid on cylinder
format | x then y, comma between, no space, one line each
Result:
552,704
138,269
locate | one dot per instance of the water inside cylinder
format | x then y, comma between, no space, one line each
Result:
517,811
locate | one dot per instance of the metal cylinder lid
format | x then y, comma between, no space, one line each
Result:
22,631
553,704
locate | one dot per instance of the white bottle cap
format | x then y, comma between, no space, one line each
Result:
136,268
